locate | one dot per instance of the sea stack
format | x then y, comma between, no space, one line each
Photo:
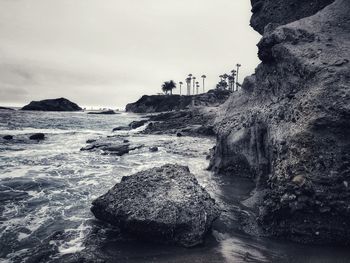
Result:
60,104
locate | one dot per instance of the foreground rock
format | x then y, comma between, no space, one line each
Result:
60,104
288,129
163,204
162,103
7,137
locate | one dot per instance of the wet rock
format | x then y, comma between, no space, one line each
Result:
90,141
37,136
164,204
137,124
121,128
8,137
179,134
153,149
111,146
60,104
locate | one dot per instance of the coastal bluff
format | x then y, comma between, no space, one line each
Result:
288,128
162,103
60,104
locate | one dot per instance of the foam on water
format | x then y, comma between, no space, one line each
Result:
46,189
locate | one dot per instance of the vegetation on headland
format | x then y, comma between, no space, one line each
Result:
227,82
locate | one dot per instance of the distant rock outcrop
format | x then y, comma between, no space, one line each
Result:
162,103
288,129
164,204
6,108
107,112
60,104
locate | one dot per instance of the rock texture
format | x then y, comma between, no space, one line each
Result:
281,12
195,122
111,146
162,103
60,104
164,204
288,129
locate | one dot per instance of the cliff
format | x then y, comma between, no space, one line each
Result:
162,103
288,129
60,104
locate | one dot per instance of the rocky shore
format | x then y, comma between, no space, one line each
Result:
288,129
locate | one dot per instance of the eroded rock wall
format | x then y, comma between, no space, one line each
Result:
289,128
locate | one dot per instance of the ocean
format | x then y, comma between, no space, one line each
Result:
46,190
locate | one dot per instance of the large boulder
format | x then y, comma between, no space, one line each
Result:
288,129
60,104
164,204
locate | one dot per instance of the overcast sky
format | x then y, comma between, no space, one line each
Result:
110,52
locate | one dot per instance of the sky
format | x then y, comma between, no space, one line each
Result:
109,53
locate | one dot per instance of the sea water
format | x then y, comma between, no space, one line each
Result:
46,190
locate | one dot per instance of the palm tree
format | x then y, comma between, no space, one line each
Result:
194,83
181,83
233,74
231,81
188,82
203,77
189,79
168,86
197,85
238,66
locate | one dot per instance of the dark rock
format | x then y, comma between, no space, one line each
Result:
37,136
60,104
179,134
137,124
153,149
108,112
164,204
91,141
8,137
111,146
6,108
126,141
121,128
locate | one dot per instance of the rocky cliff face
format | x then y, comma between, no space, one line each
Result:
288,129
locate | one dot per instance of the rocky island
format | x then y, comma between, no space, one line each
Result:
60,104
